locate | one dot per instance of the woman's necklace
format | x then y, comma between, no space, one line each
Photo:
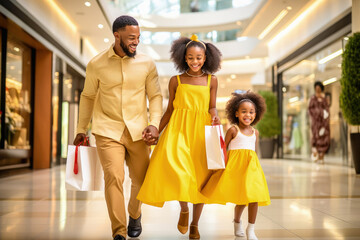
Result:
194,75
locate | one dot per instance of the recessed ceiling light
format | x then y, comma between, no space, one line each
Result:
289,8
88,4
106,40
233,76
100,26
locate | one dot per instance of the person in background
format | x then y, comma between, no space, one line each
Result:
118,80
320,123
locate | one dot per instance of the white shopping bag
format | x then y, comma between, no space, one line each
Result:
83,169
215,147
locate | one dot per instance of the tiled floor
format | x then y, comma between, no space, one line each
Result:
309,202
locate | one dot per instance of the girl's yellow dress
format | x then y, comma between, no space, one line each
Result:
242,181
178,165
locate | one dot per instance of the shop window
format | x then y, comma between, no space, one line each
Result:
298,88
18,96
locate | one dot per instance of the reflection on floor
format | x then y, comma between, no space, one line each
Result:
309,201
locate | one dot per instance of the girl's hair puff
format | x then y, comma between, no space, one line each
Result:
233,104
178,50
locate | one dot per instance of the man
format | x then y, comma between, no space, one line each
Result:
114,96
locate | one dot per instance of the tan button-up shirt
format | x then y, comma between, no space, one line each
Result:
114,95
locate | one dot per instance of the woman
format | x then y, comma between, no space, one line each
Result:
320,124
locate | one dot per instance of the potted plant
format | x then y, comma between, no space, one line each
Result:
350,92
269,125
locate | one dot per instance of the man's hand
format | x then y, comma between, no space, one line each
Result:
150,135
80,137
216,120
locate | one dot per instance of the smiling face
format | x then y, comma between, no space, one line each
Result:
195,58
246,113
126,41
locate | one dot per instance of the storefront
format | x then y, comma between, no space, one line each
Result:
322,62
39,97
66,88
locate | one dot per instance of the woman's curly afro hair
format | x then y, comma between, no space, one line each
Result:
233,105
178,52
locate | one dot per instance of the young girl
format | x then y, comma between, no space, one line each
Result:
242,182
178,165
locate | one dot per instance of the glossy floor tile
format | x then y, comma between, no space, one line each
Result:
309,201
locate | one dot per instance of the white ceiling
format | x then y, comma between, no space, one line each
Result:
252,23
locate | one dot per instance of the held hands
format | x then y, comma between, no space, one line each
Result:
150,135
80,137
216,120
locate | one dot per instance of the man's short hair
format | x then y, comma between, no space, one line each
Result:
122,22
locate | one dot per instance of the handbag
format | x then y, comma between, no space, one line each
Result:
83,168
215,147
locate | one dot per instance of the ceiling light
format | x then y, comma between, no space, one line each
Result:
90,47
289,8
331,56
292,25
100,26
106,40
330,80
274,22
233,76
62,15
17,49
88,4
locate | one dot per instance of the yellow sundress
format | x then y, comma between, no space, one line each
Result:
243,180
178,165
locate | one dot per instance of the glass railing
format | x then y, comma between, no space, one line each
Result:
166,7
168,37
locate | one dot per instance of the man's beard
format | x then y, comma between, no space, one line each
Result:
126,50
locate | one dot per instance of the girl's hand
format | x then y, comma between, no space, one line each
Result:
216,120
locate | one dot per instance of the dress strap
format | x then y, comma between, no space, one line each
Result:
237,127
209,80
178,78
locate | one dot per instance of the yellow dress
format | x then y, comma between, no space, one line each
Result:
178,165
242,181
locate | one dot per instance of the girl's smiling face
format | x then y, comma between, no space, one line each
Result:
246,113
195,58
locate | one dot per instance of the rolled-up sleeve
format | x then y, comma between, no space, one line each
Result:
153,92
87,99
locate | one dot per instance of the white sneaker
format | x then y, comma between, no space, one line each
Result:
238,229
250,232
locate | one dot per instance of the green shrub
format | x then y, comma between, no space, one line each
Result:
350,80
269,125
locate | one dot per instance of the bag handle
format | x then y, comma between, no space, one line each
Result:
222,143
85,142
223,146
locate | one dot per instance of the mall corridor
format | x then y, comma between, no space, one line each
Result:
309,201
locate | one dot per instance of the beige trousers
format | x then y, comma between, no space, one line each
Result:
112,155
